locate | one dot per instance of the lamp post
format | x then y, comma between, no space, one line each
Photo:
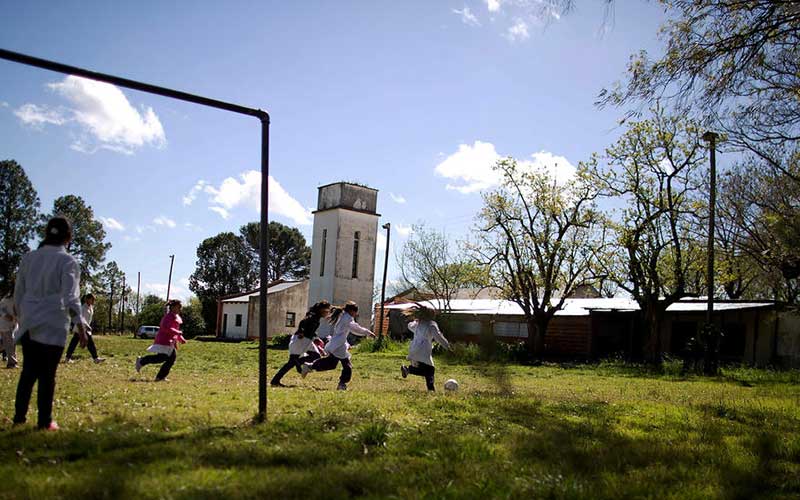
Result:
387,227
710,365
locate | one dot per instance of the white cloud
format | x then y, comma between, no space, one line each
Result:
192,194
103,115
472,165
38,116
112,224
518,31
3,104
397,198
404,231
493,5
163,220
467,17
246,191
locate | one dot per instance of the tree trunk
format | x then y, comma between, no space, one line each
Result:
653,317
536,332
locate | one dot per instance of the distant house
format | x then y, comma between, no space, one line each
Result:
754,332
237,315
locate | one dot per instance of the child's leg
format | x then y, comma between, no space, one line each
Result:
51,355
347,371
309,357
423,370
429,378
293,358
30,372
90,346
153,359
73,343
325,364
167,366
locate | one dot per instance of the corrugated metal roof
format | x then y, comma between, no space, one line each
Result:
273,289
576,307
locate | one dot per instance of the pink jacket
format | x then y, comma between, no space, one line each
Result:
169,332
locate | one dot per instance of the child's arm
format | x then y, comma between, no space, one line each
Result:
437,335
359,330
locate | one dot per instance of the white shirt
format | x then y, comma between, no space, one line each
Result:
421,347
87,313
7,308
301,345
338,344
47,294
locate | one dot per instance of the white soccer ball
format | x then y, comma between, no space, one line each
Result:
451,385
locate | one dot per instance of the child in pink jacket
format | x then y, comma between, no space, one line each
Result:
165,345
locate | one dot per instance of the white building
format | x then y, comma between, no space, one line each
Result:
237,315
343,246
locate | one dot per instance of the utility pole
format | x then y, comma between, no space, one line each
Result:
138,287
169,281
122,307
387,227
710,365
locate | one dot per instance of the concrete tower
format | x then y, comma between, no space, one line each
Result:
343,246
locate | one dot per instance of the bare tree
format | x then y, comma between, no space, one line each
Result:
540,240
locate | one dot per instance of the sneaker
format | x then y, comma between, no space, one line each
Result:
276,384
52,427
305,369
341,387
69,361
138,364
165,379
11,365
99,360
404,371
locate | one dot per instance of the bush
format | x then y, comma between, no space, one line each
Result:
498,352
281,341
386,345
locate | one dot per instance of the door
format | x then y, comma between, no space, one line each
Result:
224,324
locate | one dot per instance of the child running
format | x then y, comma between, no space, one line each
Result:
344,321
87,312
165,345
420,351
303,342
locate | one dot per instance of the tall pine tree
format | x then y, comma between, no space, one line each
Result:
19,214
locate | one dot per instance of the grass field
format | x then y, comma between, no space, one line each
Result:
585,431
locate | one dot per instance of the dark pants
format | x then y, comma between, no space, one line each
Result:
167,359
39,363
295,360
330,362
424,370
74,343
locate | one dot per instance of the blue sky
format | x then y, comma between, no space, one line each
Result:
415,99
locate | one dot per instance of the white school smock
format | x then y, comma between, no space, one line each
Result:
87,313
7,308
301,345
47,294
338,344
421,347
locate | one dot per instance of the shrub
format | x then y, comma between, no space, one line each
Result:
281,341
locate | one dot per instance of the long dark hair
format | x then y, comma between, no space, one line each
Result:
420,312
317,308
86,297
349,307
57,232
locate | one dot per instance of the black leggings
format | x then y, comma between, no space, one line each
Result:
74,343
424,370
40,362
330,362
295,360
167,359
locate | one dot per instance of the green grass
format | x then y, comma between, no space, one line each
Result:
554,431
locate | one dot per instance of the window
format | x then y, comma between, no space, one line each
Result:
238,320
356,238
290,319
324,246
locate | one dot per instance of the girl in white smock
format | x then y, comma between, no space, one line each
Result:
420,351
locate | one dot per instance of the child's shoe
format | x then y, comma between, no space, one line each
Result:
404,371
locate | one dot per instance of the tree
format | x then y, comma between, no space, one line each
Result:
289,256
540,240
88,245
19,214
224,267
429,263
192,315
653,170
108,283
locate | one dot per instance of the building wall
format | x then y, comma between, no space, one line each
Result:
293,299
232,309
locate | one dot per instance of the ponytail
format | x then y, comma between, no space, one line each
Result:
57,232
349,307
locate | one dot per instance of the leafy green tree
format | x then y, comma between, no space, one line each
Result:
653,170
152,313
19,214
224,266
540,240
289,256
88,245
108,284
192,315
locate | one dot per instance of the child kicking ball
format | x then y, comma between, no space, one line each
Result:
420,351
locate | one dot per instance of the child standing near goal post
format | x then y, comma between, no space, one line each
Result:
420,351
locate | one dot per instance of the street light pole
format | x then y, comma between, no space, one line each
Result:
388,228
169,280
712,335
